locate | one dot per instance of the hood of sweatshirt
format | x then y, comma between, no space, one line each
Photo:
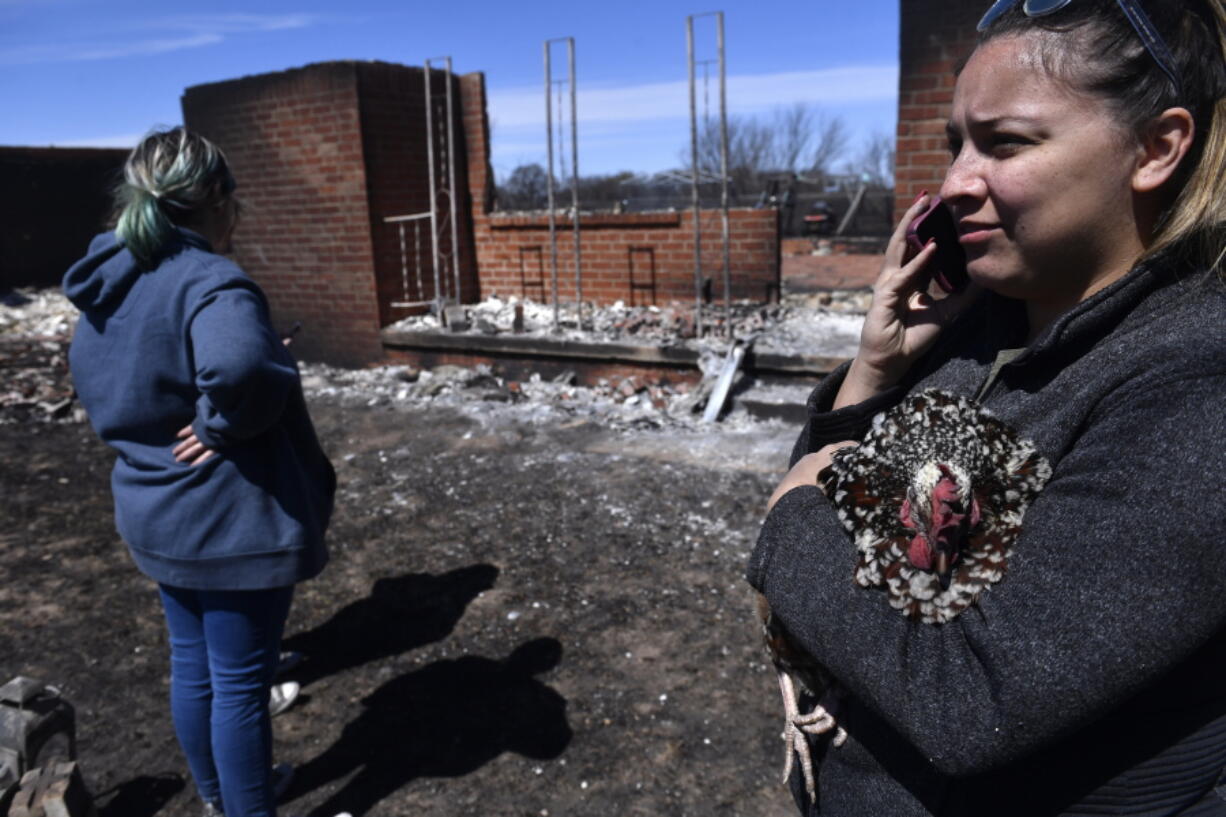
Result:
101,279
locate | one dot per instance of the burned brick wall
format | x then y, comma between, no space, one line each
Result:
294,140
394,142
55,200
639,258
936,35
325,154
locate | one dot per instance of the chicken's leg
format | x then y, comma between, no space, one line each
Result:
796,726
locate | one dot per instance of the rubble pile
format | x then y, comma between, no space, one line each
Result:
35,329
34,313
633,402
36,326
827,323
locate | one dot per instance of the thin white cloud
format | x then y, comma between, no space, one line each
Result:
80,52
670,100
233,23
124,140
179,33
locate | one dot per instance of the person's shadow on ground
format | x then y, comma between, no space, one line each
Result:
399,615
444,720
142,796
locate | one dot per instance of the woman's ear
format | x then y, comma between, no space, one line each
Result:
1164,143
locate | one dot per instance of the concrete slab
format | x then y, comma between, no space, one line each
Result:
579,353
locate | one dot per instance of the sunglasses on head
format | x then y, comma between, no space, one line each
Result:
1140,21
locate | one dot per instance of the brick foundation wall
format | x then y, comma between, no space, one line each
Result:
294,140
55,200
518,367
815,273
654,251
936,36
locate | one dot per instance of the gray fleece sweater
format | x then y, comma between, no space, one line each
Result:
1090,679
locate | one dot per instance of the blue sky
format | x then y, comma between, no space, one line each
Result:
88,72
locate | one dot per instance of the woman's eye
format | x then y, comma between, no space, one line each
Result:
955,147
1006,144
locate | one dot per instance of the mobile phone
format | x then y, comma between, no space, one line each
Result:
949,264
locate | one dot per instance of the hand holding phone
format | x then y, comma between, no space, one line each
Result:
948,266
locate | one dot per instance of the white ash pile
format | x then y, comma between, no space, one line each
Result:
36,326
35,313
826,324
35,330
626,403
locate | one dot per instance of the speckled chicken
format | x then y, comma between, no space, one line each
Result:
933,498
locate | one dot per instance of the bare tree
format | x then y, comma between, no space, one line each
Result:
795,139
749,150
525,189
806,140
793,133
875,162
829,143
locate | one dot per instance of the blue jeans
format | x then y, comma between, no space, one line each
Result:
223,655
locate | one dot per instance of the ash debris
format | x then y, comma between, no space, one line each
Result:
629,403
33,313
826,323
35,330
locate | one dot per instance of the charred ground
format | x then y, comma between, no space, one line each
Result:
520,618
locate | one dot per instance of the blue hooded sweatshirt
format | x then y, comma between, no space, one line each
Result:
190,341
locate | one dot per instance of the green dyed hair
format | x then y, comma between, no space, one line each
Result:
170,178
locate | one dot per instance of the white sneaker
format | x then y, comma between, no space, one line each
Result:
282,697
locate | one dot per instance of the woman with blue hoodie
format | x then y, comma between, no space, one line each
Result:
222,492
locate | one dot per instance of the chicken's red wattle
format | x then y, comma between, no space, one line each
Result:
945,530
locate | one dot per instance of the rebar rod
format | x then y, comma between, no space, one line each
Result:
574,180
689,47
399,221
723,162
438,298
404,265
553,227
451,190
417,256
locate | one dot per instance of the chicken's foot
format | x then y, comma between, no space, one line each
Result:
796,726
